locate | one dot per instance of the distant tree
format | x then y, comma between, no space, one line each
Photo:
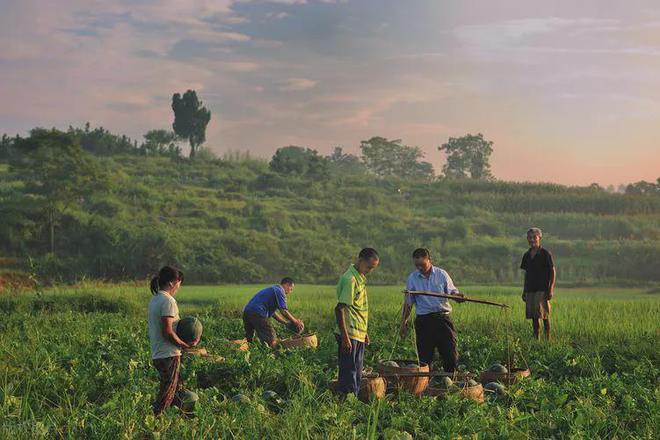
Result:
161,142
100,141
643,187
345,161
56,173
300,161
391,158
6,144
467,155
190,119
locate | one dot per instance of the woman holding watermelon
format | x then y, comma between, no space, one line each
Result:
166,345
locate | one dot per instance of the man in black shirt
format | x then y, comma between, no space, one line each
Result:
539,287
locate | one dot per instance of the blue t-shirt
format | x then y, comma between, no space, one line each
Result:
267,301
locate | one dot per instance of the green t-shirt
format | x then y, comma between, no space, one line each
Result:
352,291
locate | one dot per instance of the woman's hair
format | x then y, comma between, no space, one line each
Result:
166,275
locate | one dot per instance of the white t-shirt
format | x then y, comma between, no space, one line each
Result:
162,304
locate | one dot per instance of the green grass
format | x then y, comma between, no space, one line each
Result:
74,363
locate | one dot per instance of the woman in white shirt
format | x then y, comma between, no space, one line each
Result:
166,346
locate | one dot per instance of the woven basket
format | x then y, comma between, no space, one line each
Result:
240,344
475,392
196,352
371,387
506,378
395,379
308,340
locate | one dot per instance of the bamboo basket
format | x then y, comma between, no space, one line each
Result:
240,344
203,353
372,386
475,392
308,340
506,378
396,376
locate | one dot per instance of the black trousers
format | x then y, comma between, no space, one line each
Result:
436,331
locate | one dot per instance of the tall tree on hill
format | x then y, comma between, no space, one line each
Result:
300,161
467,155
56,173
190,119
390,158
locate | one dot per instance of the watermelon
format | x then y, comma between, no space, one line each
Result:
189,329
496,388
390,364
240,398
187,400
472,383
445,383
498,368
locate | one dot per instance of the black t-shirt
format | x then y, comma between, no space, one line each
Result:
537,270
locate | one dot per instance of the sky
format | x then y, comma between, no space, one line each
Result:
568,91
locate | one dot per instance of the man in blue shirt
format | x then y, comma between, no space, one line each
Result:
433,327
265,304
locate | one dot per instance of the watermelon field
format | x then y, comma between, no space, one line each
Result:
74,363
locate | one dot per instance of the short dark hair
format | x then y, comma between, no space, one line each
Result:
367,254
287,280
421,252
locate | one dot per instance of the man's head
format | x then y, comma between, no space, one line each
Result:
422,259
534,236
288,284
367,260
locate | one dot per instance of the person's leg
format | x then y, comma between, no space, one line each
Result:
249,328
168,372
425,339
347,369
546,329
264,329
536,327
447,343
358,347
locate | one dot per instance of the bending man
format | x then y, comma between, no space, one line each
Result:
265,304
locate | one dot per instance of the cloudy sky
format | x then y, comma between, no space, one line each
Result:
569,91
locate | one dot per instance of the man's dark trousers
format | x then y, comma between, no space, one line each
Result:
350,367
436,331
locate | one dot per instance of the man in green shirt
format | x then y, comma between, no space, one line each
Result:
352,313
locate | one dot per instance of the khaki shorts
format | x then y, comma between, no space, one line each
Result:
537,306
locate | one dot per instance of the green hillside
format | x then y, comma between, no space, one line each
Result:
243,220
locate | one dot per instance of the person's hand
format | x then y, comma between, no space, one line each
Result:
300,325
403,330
524,297
549,295
459,297
194,342
346,345
367,341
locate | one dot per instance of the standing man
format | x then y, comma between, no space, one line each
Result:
433,327
352,313
539,286
264,305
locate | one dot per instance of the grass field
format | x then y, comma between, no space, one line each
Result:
74,363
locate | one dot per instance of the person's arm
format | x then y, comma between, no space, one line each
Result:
553,274
523,266
340,314
295,321
277,317
451,289
170,335
551,287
